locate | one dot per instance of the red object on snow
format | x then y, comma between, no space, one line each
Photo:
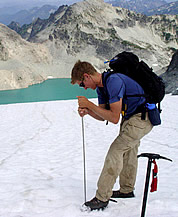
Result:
154,177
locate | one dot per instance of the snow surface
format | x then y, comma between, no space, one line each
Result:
41,162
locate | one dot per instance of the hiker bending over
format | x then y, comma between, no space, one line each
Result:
121,159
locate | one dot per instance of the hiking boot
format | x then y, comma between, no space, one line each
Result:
118,194
96,204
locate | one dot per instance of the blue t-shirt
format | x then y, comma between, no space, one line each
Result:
119,85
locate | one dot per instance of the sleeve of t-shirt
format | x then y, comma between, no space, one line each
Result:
116,88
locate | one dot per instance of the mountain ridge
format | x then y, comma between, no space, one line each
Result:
170,8
27,16
87,23
151,7
93,31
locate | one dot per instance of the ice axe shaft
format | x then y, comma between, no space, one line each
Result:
150,157
146,187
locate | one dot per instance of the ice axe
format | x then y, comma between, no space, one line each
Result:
151,157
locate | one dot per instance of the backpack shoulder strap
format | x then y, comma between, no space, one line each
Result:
105,77
110,72
140,109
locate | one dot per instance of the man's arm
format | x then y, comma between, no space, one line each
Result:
94,115
85,111
112,115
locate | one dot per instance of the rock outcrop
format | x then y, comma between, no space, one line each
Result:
171,75
21,63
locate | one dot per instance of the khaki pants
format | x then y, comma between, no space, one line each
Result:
121,159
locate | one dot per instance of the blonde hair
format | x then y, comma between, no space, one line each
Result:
79,69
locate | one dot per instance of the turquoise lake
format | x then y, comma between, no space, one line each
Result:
49,90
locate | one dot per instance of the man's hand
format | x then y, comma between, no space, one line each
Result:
83,111
83,102
99,112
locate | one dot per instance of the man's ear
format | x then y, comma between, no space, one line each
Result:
85,75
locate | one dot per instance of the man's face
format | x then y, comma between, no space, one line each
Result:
87,82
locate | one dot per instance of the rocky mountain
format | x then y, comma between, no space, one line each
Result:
139,6
170,8
90,30
15,26
21,63
27,16
151,7
171,75
95,24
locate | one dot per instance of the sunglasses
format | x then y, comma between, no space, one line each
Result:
82,84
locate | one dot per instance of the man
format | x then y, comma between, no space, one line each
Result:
121,159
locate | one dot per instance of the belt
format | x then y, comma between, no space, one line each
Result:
140,109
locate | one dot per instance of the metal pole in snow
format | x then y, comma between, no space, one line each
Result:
84,164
